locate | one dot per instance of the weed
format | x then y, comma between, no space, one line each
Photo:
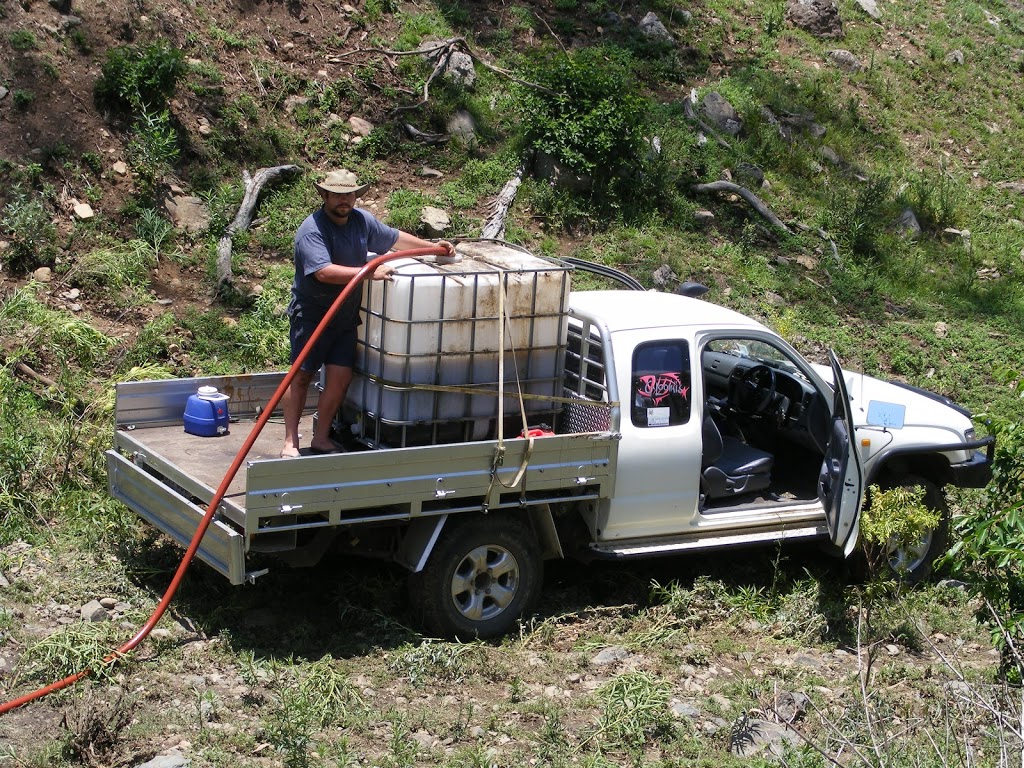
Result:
153,145
23,98
22,40
431,660
74,648
95,725
153,229
32,232
138,80
634,709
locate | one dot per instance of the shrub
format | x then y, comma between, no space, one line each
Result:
22,40
139,79
32,232
589,117
990,542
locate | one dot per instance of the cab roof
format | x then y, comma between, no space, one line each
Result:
624,310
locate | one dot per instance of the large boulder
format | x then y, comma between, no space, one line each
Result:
720,114
819,17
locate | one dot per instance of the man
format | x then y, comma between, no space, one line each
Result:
331,246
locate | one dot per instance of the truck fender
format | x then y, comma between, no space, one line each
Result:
422,534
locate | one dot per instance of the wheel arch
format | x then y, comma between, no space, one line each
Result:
423,533
930,466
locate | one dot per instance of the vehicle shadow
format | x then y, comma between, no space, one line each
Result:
347,607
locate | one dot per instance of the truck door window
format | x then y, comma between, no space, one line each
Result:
661,384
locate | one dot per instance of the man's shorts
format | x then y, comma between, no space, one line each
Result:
336,346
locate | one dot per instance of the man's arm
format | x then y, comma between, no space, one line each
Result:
339,275
406,241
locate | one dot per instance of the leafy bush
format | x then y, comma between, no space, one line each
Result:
22,40
894,517
139,79
990,545
153,145
589,117
27,219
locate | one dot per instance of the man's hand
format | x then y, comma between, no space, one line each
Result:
383,272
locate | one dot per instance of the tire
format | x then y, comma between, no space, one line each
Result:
484,574
914,564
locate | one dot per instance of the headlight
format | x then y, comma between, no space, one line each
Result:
969,435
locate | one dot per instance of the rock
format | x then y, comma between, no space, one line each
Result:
477,732
952,584
830,156
561,175
423,739
84,211
892,650
721,114
907,224
749,175
360,126
294,102
62,6
684,709
170,759
93,611
108,602
651,27
462,127
845,60
663,275
187,212
955,57
204,127
3,93
460,70
429,173
941,330
43,275
806,660
757,737
791,706
703,216
818,17
951,234
610,655
435,221
4,583
870,8
120,168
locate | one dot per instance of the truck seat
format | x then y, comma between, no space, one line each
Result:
729,466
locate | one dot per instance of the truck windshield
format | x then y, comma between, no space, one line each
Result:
758,351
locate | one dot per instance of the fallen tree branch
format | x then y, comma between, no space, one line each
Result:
753,200
243,219
443,51
692,117
494,227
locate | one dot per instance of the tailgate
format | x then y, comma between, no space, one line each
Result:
222,548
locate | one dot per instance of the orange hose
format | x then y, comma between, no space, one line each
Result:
236,464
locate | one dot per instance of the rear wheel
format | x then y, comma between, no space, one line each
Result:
483,575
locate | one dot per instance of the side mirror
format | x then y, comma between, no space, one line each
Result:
691,289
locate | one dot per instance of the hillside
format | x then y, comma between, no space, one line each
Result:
882,144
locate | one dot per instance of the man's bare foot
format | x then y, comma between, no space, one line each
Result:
289,452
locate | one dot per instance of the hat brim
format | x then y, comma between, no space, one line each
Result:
341,190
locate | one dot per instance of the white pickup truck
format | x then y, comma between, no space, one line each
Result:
683,426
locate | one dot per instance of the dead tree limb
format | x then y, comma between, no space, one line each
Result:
753,200
443,51
692,117
494,228
243,219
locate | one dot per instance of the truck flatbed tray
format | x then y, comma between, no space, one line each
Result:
206,459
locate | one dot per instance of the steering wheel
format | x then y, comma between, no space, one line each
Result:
754,390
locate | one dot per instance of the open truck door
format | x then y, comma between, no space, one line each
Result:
841,480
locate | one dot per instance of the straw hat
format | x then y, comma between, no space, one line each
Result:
341,181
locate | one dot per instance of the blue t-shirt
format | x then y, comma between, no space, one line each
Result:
320,242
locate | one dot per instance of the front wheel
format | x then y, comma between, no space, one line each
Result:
912,563
483,575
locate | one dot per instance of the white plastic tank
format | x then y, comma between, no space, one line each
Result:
438,324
